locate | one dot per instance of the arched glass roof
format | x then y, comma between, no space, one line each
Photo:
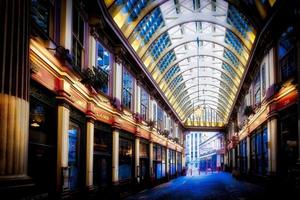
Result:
195,50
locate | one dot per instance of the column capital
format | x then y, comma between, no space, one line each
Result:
90,119
61,101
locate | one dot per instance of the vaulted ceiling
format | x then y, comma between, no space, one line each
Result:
195,50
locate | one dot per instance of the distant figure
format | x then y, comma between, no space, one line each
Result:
199,170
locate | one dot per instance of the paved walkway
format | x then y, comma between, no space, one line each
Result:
218,186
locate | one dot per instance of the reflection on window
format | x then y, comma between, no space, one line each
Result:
287,54
40,14
125,159
73,155
103,65
144,104
127,89
77,39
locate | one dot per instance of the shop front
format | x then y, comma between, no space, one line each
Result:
243,157
172,163
102,157
76,150
179,164
126,162
42,139
159,162
259,151
288,137
144,162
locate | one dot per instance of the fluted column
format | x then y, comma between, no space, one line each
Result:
115,156
151,158
89,152
167,163
248,153
137,159
14,88
272,145
63,122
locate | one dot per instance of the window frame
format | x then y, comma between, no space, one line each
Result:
110,64
130,107
77,38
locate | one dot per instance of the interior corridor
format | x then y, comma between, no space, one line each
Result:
149,99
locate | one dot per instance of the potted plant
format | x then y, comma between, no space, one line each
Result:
176,140
95,78
151,124
166,133
248,111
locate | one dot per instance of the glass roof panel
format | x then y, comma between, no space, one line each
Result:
196,51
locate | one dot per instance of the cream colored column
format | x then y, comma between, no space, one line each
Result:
137,97
233,158
248,153
151,109
63,121
92,51
66,24
115,156
272,145
182,159
89,152
14,121
151,158
117,78
176,170
14,93
167,162
137,159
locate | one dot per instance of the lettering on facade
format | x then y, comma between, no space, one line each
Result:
102,116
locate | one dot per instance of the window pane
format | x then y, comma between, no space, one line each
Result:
125,159
127,89
103,66
77,38
40,14
144,104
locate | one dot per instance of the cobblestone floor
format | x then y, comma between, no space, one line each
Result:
217,186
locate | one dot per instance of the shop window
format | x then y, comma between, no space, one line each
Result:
144,161
127,89
41,15
243,156
287,54
103,66
179,162
73,155
125,159
259,151
42,144
144,104
77,38
172,164
102,158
